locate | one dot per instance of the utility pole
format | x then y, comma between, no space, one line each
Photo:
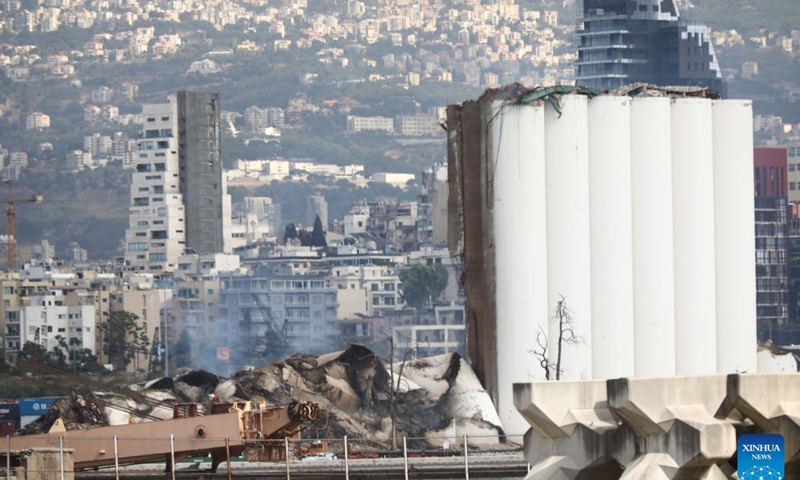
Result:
11,223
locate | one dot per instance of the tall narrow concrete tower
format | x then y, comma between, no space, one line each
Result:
201,170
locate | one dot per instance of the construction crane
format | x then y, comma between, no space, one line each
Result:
156,351
274,341
11,223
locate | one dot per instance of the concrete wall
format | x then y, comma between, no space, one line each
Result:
668,427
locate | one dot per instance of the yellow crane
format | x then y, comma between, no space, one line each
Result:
11,223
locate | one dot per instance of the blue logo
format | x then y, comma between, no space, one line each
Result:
760,457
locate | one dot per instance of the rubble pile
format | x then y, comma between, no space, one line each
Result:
435,397
76,412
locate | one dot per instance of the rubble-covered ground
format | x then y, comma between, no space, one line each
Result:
435,397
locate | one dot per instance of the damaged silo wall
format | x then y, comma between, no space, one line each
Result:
606,200
470,227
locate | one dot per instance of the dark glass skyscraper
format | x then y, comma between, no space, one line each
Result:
630,41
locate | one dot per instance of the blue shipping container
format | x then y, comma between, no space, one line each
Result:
35,406
9,411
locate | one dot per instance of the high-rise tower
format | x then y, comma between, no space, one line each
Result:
177,192
201,170
630,41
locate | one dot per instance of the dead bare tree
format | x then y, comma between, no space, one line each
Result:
396,388
566,336
541,352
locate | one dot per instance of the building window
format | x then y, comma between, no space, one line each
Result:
144,167
151,134
142,223
166,132
792,166
137,246
141,201
160,167
158,257
162,211
158,234
163,144
792,185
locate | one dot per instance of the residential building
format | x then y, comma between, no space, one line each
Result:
369,289
77,160
432,223
37,121
200,172
432,331
156,234
45,316
266,211
630,41
771,228
396,179
316,206
16,163
303,308
793,154
418,125
360,124
178,193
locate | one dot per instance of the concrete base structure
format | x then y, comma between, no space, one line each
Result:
654,428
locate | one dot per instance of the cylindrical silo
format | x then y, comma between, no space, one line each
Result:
517,156
568,260
693,217
734,236
653,279
611,237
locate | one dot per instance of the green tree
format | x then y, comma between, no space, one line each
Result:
290,232
318,235
423,284
123,339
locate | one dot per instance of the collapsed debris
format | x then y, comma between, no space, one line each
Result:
437,397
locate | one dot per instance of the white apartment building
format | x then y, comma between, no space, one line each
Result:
37,121
356,221
429,333
275,169
359,124
397,179
46,316
418,125
380,284
77,160
155,237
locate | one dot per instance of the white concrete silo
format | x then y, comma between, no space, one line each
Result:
734,218
611,237
568,243
693,216
653,279
520,215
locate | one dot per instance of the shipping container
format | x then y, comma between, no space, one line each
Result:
35,406
26,420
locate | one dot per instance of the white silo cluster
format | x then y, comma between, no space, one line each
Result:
639,212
